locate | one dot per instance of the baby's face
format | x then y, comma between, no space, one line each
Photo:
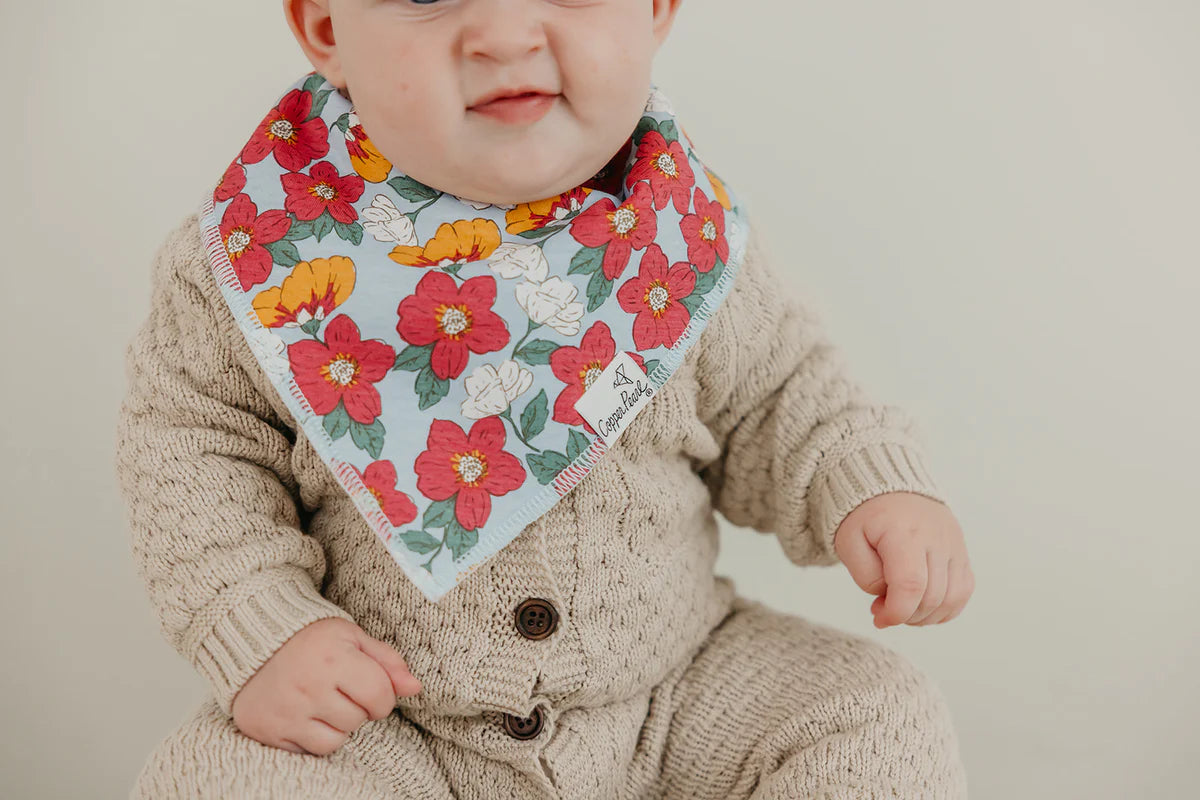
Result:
420,73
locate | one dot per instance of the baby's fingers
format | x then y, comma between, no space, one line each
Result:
934,600
404,683
906,572
961,585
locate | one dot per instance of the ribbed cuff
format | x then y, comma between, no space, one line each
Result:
857,477
262,613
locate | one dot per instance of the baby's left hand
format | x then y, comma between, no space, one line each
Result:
909,550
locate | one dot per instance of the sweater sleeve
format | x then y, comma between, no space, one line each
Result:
802,445
203,467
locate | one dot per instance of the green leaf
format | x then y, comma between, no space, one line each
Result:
645,124
430,387
533,419
283,253
440,513
312,326
460,540
413,357
598,290
576,444
536,352
336,422
651,365
343,123
322,225
299,230
368,437
349,231
706,281
412,190
546,465
419,541
692,302
588,259
319,103
668,130
314,82
538,233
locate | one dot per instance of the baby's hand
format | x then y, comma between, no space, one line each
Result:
325,682
909,550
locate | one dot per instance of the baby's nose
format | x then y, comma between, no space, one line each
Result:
502,30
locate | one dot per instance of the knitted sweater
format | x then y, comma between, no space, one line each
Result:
243,536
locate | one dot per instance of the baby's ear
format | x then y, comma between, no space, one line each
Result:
312,26
664,17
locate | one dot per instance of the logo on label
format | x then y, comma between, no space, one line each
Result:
615,397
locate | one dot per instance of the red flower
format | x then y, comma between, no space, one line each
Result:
668,169
380,478
454,319
320,190
232,182
244,232
654,296
704,233
343,368
579,366
473,465
286,133
630,227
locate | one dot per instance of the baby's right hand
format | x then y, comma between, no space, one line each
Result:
325,682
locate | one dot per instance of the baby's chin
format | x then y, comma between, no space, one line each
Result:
506,196
517,187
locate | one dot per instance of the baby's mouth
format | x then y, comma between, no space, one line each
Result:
521,109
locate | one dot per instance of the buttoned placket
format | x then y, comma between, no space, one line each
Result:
527,592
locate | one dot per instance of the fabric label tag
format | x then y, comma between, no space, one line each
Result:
616,397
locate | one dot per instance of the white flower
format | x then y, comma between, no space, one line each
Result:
491,391
551,302
733,230
304,316
520,261
271,352
659,102
561,212
385,222
478,206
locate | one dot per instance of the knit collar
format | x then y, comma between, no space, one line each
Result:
461,366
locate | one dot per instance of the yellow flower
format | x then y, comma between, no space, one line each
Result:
464,240
719,190
540,213
368,162
312,290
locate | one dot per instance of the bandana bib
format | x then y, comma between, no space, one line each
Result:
461,366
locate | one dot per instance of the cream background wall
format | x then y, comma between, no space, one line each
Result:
993,205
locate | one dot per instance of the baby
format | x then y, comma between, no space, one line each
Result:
410,569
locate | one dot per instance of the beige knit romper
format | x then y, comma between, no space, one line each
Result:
657,680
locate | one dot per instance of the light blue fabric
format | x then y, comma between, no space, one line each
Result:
435,549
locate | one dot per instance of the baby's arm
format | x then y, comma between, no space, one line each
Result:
203,464
802,445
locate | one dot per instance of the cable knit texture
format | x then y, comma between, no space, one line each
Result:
659,681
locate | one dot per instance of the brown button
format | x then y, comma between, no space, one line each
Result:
524,727
536,618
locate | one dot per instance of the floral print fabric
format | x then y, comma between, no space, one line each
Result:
432,348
